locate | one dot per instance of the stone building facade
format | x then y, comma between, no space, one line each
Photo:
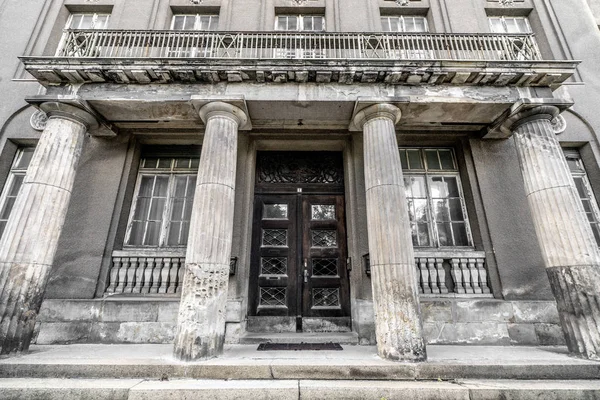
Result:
368,171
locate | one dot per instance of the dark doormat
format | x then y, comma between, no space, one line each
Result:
299,346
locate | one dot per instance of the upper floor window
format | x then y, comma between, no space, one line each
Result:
404,24
509,25
13,184
87,21
195,22
301,23
160,216
584,189
436,205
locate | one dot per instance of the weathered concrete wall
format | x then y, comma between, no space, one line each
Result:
446,321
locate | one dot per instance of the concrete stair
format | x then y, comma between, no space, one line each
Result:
136,372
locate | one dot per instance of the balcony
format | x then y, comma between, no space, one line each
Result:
136,56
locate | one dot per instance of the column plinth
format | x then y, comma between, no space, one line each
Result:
395,293
201,322
31,235
570,253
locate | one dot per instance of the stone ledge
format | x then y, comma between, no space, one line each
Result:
56,70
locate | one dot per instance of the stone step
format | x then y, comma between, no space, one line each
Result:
350,338
136,389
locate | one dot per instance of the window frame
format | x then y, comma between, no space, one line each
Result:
165,227
401,19
197,22
503,19
300,23
428,174
14,171
95,17
574,155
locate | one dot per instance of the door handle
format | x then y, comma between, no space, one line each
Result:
305,270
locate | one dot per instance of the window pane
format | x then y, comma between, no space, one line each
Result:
432,159
460,234
414,159
446,159
308,24
136,236
319,24
403,159
181,183
15,186
420,24
24,158
445,234
157,207
421,210
440,210
321,212
152,233
496,25
141,208
451,187
275,211
164,163
178,22
75,21
456,213
87,21
7,208
160,186
173,239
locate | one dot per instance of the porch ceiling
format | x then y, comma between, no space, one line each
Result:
307,106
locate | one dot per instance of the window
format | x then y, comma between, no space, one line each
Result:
406,48
300,23
584,189
87,21
195,22
160,216
509,25
299,47
13,184
404,24
436,206
182,46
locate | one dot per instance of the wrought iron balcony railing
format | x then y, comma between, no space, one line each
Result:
297,46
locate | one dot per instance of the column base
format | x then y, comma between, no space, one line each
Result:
577,293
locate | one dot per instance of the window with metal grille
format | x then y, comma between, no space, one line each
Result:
404,23
436,205
13,184
509,24
584,190
164,194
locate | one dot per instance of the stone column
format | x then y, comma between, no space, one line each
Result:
30,239
201,324
570,252
395,293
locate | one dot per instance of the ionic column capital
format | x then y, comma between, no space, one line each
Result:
547,112
225,110
381,110
56,109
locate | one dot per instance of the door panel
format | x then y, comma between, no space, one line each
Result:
325,291
299,258
274,256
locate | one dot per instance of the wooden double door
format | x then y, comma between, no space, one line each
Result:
299,261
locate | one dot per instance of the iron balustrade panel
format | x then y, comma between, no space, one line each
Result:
103,43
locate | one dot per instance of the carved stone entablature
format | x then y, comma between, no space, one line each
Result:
299,167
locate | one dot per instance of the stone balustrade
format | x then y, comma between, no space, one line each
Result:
145,273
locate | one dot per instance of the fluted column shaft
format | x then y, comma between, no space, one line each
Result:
201,324
30,239
570,252
395,293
